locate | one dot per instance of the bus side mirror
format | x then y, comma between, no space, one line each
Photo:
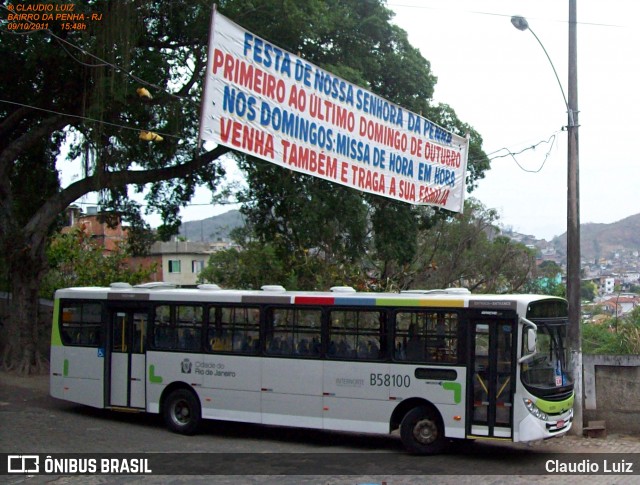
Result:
531,340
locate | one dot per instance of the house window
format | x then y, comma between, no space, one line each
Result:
197,265
174,266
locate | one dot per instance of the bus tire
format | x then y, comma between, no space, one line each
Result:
181,411
422,432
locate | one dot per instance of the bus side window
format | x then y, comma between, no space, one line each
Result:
80,324
294,331
337,344
426,336
213,328
246,331
415,344
355,334
306,337
234,329
409,330
189,323
442,337
368,335
164,334
279,322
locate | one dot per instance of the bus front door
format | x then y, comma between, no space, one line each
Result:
127,358
492,377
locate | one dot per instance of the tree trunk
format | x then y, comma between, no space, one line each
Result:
21,353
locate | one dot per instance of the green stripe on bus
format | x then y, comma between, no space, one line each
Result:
554,407
153,377
456,387
56,341
65,368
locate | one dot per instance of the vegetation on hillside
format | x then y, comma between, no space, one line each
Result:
616,335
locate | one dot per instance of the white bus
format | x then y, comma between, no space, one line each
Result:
435,365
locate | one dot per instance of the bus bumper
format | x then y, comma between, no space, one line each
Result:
534,429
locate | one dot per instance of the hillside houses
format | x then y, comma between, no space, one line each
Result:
616,275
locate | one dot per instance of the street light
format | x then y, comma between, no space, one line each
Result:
521,23
574,339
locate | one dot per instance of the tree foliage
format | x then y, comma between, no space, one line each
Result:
613,336
467,250
255,264
546,280
609,339
464,250
74,95
76,259
588,290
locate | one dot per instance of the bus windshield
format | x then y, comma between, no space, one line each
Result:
547,372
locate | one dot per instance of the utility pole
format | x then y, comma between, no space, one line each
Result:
574,341
574,333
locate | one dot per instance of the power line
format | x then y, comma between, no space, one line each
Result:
194,204
551,141
493,14
86,118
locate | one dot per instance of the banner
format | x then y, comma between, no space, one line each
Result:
264,101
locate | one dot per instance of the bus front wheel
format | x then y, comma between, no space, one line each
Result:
422,432
182,411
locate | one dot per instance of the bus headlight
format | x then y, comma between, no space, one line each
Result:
533,409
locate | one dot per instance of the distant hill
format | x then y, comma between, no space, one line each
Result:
212,229
596,240
601,240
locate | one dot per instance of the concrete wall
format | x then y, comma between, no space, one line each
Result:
612,391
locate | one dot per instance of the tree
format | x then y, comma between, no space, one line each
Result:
549,269
250,267
74,96
588,290
261,263
546,280
74,93
467,250
76,259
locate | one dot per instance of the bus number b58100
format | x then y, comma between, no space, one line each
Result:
388,380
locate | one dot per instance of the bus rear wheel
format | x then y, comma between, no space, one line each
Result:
422,432
181,411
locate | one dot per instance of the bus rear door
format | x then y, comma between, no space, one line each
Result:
127,356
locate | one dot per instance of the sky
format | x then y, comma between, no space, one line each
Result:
499,80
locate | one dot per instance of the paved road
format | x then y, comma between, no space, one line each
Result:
33,422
